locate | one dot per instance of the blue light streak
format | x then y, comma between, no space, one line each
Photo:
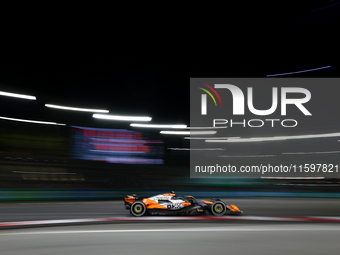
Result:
303,71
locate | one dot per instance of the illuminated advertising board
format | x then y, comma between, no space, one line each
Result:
115,146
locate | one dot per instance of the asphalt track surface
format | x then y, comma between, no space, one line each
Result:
171,237
290,207
175,238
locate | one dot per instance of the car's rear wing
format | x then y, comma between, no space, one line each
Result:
129,200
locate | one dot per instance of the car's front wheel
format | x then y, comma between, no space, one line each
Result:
138,209
218,208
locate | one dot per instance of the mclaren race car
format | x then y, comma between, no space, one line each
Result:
169,204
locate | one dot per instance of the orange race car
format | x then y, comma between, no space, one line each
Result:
170,204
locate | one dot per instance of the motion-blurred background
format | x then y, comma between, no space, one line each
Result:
139,65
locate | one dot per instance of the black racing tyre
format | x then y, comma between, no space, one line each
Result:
218,208
138,209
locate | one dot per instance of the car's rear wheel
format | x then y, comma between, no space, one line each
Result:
218,208
138,209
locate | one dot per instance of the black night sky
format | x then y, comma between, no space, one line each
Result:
141,65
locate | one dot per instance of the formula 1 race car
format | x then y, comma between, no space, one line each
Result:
169,204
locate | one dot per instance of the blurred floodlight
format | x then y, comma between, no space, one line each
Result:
311,152
2,93
157,126
124,118
188,132
275,138
75,109
206,127
234,137
198,149
294,178
33,121
247,156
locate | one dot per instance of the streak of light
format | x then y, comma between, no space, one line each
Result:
312,152
157,126
196,149
75,108
123,118
235,137
303,71
8,94
188,132
33,121
205,127
294,178
275,138
22,172
247,156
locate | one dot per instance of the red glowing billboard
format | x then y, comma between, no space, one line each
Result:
116,146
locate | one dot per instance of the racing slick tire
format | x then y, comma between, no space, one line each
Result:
218,208
138,209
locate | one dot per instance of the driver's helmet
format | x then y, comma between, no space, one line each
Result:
173,195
